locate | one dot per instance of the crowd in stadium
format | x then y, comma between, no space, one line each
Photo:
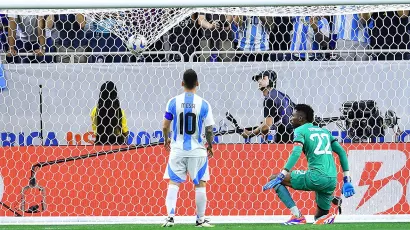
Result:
43,35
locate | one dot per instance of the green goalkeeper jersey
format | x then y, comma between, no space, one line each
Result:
317,148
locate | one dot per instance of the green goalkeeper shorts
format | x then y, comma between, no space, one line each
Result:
312,180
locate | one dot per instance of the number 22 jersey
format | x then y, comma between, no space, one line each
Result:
317,148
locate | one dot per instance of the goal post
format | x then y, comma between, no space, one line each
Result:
54,172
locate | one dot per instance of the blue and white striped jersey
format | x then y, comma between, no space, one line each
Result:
253,35
350,27
303,37
190,113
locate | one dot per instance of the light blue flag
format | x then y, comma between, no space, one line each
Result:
3,83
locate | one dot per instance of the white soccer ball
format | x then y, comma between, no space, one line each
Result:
137,43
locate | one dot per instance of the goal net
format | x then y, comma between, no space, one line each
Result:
67,75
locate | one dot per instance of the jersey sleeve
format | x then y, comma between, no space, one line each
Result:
298,136
209,119
124,122
294,157
169,108
332,138
324,27
338,149
269,109
94,119
370,23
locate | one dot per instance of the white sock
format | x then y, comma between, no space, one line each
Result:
171,200
200,199
295,211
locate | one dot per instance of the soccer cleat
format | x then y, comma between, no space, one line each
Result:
328,219
169,222
295,220
204,224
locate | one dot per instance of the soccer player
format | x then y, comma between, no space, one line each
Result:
189,113
277,109
317,144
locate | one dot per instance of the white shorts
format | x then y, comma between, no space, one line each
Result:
178,167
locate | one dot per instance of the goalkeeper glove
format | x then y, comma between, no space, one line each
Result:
274,182
347,189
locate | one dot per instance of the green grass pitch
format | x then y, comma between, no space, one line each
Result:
353,226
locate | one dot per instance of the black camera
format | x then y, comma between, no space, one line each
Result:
363,120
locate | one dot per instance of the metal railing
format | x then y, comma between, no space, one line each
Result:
74,54
202,53
307,52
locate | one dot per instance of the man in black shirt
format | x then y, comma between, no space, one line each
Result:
277,109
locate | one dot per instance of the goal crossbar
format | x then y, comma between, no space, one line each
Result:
101,4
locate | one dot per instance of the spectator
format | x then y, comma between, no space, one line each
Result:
108,119
71,36
235,30
280,37
390,32
217,36
26,34
51,34
309,33
183,38
353,35
3,37
103,40
254,36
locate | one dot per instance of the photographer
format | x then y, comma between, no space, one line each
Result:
277,110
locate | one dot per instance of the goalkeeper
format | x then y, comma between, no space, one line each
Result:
317,144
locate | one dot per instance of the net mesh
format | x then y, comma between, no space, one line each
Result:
153,23
50,107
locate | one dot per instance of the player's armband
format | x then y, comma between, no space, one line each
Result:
168,116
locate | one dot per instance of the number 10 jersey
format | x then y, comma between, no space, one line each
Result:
189,114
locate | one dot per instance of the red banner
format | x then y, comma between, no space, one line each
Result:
130,183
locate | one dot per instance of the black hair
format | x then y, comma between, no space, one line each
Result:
307,110
109,116
190,78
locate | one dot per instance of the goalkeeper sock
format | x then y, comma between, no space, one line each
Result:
295,211
171,200
285,197
200,199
